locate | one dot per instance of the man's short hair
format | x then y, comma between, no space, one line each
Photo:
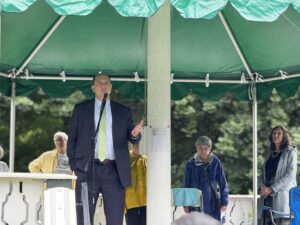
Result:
60,134
100,74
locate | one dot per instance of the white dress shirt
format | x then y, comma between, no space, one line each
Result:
110,153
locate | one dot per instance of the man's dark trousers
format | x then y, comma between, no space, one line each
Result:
106,181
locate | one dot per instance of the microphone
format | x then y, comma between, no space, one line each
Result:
105,96
104,101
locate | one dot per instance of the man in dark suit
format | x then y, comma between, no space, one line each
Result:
102,159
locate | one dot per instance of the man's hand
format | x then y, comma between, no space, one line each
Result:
136,150
137,129
223,208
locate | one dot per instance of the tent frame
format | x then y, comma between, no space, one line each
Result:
163,19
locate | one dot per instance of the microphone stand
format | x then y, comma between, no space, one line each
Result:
84,187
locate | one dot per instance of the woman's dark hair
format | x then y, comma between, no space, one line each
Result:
286,140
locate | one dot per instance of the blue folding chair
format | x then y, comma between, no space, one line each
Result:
295,205
186,197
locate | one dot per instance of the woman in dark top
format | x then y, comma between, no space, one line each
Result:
278,176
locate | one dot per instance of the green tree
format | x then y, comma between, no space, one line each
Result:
227,122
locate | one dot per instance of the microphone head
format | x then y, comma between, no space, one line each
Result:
105,96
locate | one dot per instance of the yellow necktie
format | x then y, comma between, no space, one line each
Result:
102,137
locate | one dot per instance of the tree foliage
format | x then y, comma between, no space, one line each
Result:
227,122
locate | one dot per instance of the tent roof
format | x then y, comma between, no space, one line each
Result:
259,10
106,41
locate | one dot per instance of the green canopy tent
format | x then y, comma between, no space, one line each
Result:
239,47
100,39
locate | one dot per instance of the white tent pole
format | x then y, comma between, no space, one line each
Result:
175,80
254,113
159,117
41,43
87,78
4,74
254,143
235,44
12,133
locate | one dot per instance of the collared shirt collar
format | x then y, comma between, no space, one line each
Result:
98,103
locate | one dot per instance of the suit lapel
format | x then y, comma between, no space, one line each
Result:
91,115
114,116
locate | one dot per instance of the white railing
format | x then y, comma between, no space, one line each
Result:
22,199
239,211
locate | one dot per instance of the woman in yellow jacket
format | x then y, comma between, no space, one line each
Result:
54,161
136,194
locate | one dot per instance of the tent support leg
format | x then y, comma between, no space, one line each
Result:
254,140
41,43
254,112
12,133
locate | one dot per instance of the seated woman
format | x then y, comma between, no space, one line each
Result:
278,176
3,165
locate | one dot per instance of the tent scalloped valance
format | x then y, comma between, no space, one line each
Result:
259,10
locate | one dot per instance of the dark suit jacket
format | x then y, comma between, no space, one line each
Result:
82,132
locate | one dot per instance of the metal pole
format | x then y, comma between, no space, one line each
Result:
254,113
42,42
3,74
87,78
254,118
12,126
235,44
175,80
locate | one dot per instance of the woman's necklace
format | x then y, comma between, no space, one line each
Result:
275,154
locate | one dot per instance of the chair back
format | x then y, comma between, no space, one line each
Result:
187,197
295,204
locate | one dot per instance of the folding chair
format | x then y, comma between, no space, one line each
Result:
295,205
186,197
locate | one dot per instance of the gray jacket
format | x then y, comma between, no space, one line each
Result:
285,179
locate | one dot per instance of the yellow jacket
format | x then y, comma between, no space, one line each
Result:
45,163
136,194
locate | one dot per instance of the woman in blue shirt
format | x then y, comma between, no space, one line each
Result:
204,172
